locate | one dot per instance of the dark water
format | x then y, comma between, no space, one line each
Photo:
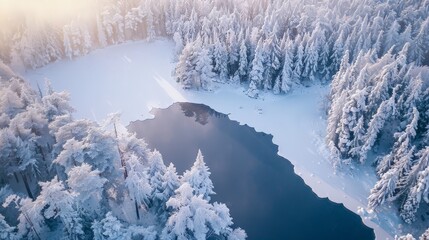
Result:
264,195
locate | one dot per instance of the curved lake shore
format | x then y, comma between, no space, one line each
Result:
265,196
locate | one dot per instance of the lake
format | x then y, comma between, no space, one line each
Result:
265,197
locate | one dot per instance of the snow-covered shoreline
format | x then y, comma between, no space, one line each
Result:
134,77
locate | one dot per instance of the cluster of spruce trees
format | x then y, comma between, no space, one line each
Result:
269,45
63,178
383,103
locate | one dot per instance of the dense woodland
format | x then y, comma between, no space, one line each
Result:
373,53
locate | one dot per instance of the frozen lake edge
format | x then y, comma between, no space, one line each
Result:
123,78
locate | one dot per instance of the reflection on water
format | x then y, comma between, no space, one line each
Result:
200,112
264,195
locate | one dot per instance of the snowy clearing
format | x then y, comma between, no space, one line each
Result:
134,77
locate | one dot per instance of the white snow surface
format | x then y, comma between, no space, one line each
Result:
134,77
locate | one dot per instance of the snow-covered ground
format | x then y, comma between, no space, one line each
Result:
134,77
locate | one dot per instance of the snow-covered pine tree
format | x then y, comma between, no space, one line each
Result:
243,62
185,68
138,183
108,228
170,182
111,228
420,43
287,77
220,59
256,74
399,156
384,112
198,178
53,203
383,189
71,156
156,173
101,35
392,35
272,56
7,232
337,52
193,217
425,235
133,20
298,66
349,133
88,186
378,44
204,70
419,189
233,49
150,28
311,60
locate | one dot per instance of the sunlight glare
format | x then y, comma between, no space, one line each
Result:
52,11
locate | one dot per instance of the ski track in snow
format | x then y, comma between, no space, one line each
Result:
175,95
126,77
127,59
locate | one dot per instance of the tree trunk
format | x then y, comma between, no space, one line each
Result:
137,209
31,225
27,187
121,154
16,177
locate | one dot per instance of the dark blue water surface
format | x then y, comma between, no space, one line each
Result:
265,197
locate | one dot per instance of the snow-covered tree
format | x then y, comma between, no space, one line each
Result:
156,172
392,35
56,104
101,35
419,189
272,55
53,202
220,60
137,182
150,28
425,235
337,52
193,217
133,20
287,77
420,42
88,185
256,74
405,237
384,189
233,48
18,158
198,178
72,155
185,68
402,148
311,60
298,66
243,62
77,39
351,125
170,182
384,112
7,232
204,70
111,228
